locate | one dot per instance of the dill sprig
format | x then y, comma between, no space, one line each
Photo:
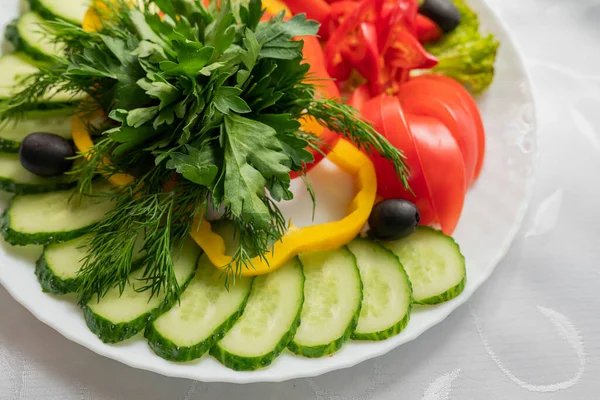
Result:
150,223
342,118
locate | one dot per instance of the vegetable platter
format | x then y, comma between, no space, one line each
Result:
245,191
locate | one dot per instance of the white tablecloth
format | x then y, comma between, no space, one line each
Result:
531,332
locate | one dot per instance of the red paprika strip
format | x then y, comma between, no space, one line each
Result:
427,30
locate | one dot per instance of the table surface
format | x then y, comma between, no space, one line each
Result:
531,332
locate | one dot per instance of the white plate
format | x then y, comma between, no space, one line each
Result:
493,213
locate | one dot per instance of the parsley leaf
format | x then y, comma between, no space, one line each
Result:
197,166
253,156
191,58
228,98
251,15
163,91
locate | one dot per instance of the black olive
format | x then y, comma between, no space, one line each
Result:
46,154
443,12
393,219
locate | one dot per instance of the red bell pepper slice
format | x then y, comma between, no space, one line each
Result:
378,40
318,10
427,30
348,39
365,58
397,11
313,54
338,13
401,48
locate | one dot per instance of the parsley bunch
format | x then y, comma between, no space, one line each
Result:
203,107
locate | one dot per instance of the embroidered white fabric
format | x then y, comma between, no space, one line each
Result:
531,332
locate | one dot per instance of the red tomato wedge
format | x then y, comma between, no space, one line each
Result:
436,99
437,170
471,105
454,118
386,116
443,168
456,97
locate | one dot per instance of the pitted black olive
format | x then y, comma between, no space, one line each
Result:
393,219
46,154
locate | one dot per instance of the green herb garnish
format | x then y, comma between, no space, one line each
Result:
202,102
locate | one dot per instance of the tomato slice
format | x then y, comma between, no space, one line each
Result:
437,170
386,115
438,100
443,168
434,107
470,104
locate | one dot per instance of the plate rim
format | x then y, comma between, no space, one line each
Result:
99,348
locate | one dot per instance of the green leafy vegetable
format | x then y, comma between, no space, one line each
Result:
464,54
203,107
198,166
251,161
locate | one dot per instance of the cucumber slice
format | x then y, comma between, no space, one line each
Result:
387,294
32,35
53,217
16,179
58,267
205,313
269,321
332,302
119,316
59,264
13,132
15,67
434,264
68,10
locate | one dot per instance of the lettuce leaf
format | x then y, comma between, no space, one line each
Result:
464,54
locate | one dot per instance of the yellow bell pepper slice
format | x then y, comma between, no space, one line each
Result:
83,142
322,237
274,7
